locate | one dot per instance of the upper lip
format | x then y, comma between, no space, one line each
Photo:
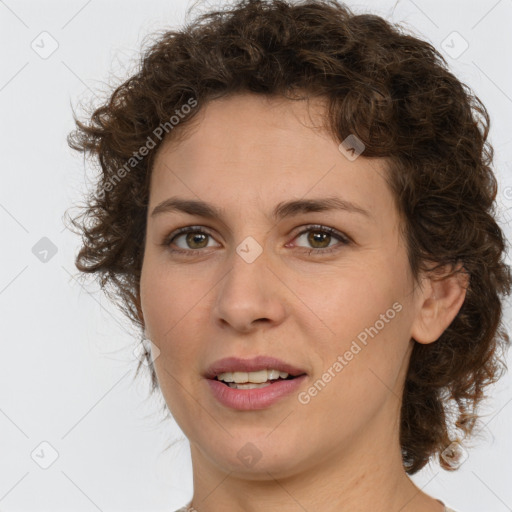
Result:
235,364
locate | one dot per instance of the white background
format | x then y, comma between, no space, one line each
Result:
67,359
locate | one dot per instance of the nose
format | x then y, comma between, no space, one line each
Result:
250,294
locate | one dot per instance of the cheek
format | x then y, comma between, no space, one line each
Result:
364,315
165,299
348,300
167,303
172,303
361,372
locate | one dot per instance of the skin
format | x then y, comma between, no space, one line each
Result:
339,452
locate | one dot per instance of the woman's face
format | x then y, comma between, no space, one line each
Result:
248,285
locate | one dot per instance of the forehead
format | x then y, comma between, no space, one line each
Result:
250,147
230,126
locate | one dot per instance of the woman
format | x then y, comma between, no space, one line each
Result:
296,209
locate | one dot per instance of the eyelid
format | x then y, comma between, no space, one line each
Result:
184,230
342,237
320,227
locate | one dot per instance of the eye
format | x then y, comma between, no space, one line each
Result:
320,238
195,237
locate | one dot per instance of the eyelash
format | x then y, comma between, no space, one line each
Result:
317,227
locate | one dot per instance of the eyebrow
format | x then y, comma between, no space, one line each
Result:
281,210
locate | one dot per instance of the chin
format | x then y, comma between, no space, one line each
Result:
257,456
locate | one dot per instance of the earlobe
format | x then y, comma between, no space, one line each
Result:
440,300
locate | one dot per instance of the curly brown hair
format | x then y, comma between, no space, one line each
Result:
387,87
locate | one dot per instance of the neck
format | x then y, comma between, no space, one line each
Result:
365,473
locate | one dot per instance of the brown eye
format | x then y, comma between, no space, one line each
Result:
319,239
194,239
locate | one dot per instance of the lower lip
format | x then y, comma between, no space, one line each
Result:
254,399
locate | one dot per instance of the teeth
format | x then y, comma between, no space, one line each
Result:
248,385
258,377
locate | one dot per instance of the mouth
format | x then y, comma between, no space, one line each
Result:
258,372
253,384
253,380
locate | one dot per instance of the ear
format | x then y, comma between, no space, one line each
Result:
440,299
